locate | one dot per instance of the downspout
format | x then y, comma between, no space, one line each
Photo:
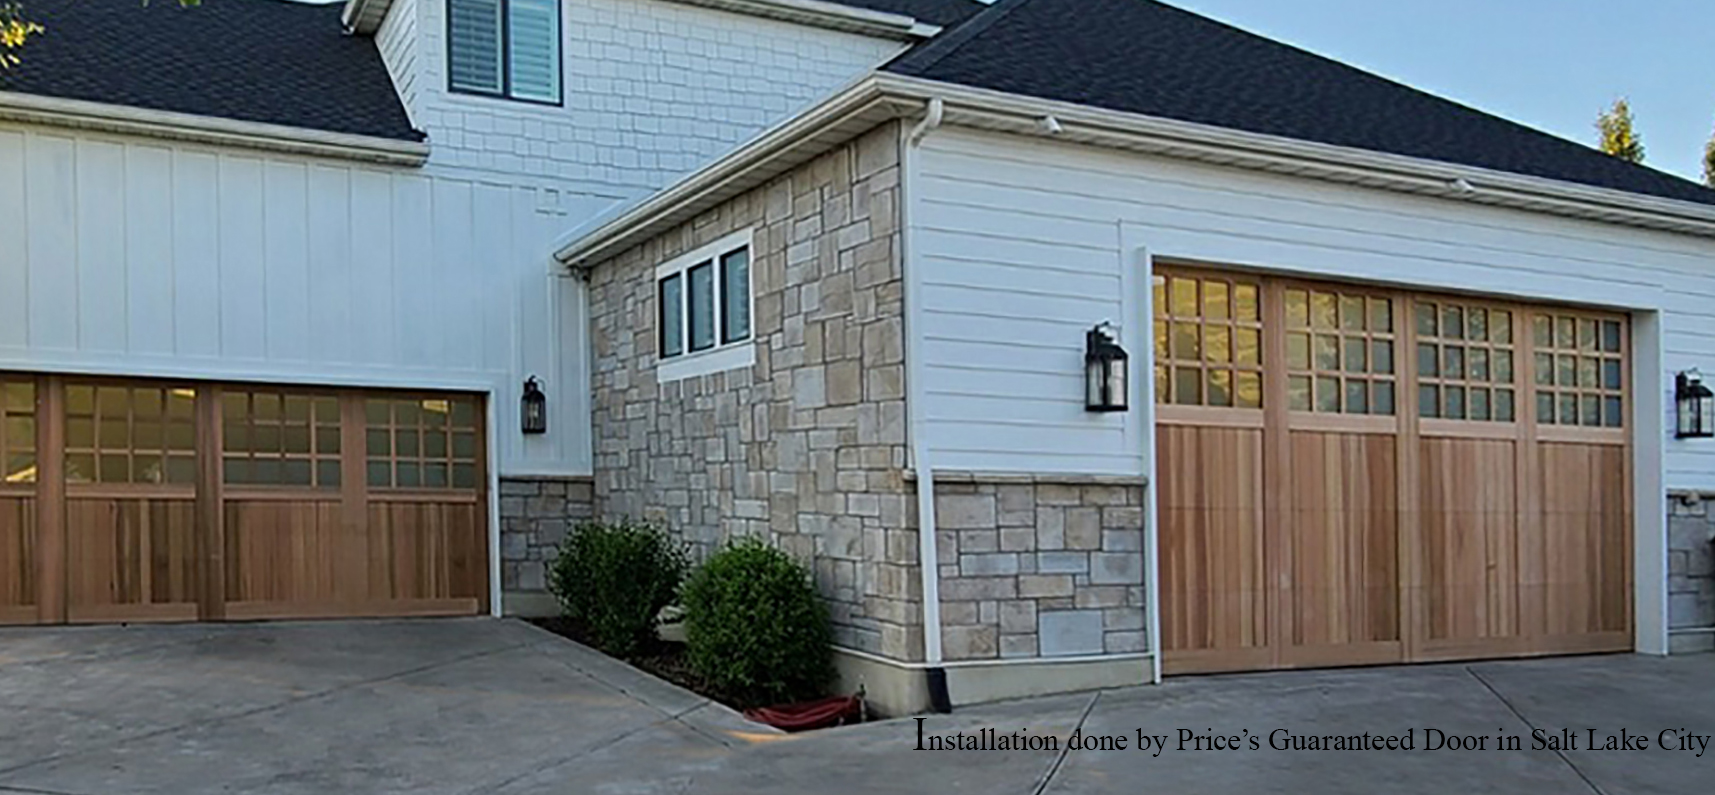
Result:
927,553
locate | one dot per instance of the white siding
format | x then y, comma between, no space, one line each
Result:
399,43
141,258
1020,245
652,90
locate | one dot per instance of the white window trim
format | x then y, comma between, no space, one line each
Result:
724,355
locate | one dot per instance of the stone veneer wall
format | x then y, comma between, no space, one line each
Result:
807,447
535,515
1035,567
1691,571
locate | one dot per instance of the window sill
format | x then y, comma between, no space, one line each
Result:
729,357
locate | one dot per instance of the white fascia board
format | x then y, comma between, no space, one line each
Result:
817,129
364,16
817,13
1001,111
169,125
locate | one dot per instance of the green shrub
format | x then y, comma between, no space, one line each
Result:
614,579
755,629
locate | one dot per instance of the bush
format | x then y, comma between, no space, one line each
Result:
755,629
614,579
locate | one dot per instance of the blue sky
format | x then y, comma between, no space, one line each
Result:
1551,64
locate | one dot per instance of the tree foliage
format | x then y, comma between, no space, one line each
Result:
15,30
1619,135
1709,162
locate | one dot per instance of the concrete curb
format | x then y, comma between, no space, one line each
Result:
696,710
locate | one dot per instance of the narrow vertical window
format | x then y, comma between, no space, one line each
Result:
735,296
473,49
671,308
702,305
533,49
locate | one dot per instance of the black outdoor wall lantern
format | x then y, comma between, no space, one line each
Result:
1105,373
534,408
1696,405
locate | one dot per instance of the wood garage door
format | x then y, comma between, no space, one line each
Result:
1351,476
128,500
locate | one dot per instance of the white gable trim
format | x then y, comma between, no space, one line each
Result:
821,14
123,119
365,16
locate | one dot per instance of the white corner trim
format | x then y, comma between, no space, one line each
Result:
821,14
170,125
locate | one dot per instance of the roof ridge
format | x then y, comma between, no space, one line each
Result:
924,56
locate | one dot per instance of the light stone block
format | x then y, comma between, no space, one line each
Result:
1066,633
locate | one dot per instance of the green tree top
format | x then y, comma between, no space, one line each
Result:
1619,137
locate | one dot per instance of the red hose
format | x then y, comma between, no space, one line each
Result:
822,714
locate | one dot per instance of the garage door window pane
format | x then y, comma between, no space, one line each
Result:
129,434
1342,351
1581,365
1208,342
279,438
422,443
1466,352
17,431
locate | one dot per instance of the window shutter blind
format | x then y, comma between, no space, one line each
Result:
534,37
473,52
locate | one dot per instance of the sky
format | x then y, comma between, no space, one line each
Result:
1551,64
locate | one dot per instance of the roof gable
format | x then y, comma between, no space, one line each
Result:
1146,57
269,61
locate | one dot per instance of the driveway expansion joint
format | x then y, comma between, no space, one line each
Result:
1527,721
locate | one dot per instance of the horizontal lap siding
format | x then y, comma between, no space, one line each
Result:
1007,294
1024,212
142,258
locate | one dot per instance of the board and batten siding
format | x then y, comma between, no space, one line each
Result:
137,257
1024,243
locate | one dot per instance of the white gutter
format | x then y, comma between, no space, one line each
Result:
821,14
364,17
192,128
1005,112
928,551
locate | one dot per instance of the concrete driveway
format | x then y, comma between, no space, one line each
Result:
484,706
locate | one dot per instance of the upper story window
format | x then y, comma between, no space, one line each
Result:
505,48
703,309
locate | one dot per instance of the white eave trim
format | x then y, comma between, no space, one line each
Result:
1000,111
821,14
126,120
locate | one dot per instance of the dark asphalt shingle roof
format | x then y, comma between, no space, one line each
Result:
934,12
1146,57
266,61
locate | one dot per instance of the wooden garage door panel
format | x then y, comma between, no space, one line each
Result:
427,551
1469,510
130,559
1343,525
1211,553
1586,564
17,560
290,551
